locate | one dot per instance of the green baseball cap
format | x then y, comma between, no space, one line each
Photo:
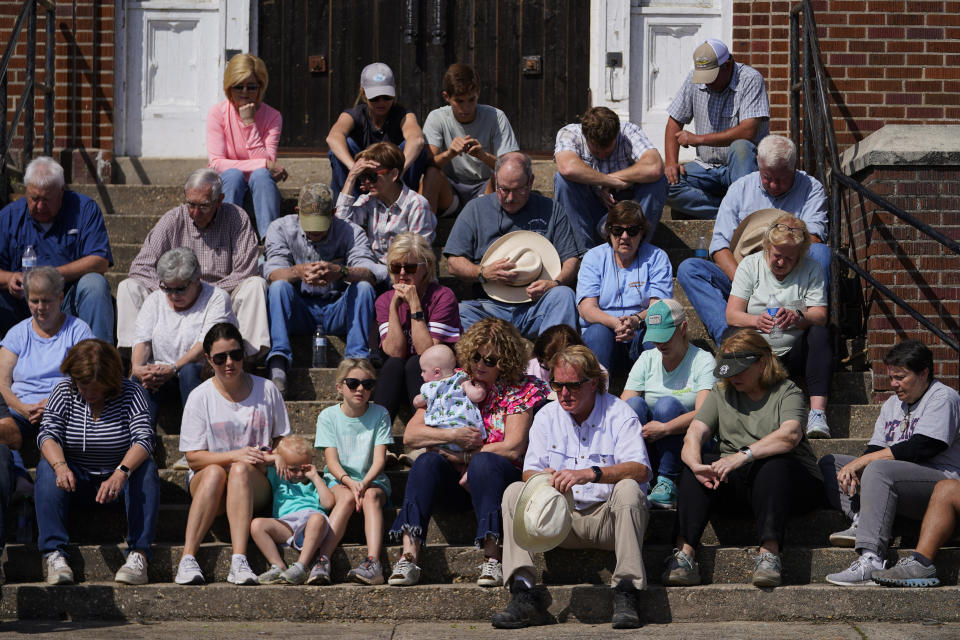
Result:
663,318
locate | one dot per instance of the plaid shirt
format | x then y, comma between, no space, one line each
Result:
744,97
631,143
410,212
226,248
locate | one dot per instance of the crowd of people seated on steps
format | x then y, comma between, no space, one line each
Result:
528,436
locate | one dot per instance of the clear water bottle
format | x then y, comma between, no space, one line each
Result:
319,349
701,251
29,260
773,307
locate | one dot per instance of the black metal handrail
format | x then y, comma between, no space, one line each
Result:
26,103
820,157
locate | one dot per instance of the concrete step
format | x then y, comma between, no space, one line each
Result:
578,602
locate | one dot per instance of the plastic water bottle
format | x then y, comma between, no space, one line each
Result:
701,251
319,349
773,307
29,258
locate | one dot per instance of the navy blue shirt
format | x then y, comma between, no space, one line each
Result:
77,232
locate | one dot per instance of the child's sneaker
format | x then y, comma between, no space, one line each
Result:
294,574
406,572
664,494
240,572
189,571
491,573
367,572
320,574
271,575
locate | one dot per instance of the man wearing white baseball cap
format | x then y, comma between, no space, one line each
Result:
590,446
728,103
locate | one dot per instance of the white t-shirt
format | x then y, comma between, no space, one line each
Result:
172,333
692,375
802,288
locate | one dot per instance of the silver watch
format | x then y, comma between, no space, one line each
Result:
747,452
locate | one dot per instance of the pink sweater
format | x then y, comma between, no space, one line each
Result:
234,145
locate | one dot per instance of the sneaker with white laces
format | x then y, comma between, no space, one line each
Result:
682,570
134,570
817,424
58,571
406,572
846,538
271,575
664,494
240,572
491,573
766,573
188,572
909,572
367,572
858,574
294,574
320,573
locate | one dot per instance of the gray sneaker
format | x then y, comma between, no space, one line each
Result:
766,573
271,575
367,572
681,571
907,573
295,574
491,573
858,574
134,570
846,538
278,374
817,425
58,571
320,574
406,572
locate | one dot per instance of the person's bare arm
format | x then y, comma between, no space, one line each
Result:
671,151
337,139
8,360
724,259
463,268
782,440
649,168
201,459
592,313
565,479
417,435
572,167
745,130
476,391
413,140
81,267
516,428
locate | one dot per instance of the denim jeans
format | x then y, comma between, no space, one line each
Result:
6,490
588,214
698,192
665,452
87,298
411,177
601,340
189,377
557,306
349,315
263,191
433,482
140,495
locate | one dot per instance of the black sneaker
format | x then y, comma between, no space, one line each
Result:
524,610
625,615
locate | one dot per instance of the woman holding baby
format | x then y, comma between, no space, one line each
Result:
493,355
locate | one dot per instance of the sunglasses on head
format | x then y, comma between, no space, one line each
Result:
572,386
248,87
353,383
220,359
372,176
632,231
410,268
490,361
173,291
796,232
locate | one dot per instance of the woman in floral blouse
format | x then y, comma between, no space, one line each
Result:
493,354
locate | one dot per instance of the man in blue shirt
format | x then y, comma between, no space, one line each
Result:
66,231
514,208
777,185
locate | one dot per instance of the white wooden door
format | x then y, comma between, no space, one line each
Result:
664,35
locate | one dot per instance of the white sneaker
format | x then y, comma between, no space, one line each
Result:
58,571
858,574
134,570
240,572
189,571
491,573
846,538
405,572
817,424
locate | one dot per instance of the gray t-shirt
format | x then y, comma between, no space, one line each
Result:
936,415
490,128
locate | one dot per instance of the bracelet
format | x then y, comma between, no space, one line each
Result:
340,479
58,463
558,282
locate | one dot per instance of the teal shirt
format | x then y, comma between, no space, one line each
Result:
693,374
354,439
290,497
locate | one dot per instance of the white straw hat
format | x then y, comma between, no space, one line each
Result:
535,257
542,517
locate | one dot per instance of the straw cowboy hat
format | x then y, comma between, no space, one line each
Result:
535,258
542,517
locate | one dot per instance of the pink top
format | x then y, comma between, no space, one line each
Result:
234,145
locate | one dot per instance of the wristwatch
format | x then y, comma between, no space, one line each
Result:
747,452
124,468
480,277
417,315
597,473
344,271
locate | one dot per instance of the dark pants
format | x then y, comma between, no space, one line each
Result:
812,357
188,379
6,490
772,488
399,383
433,482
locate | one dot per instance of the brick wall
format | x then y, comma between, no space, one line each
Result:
888,61
916,268
83,122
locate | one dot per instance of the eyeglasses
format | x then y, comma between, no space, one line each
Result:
410,268
250,88
572,386
793,231
632,231
353,383
372,176
174,291
518,191
380,98
490,361
220,359
199,206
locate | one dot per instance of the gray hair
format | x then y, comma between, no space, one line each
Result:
515,157
777,152
43,280
179,263
203,178
44,172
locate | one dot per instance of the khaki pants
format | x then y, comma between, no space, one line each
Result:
617,525
248,299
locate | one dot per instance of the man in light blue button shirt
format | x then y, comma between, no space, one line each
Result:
777,185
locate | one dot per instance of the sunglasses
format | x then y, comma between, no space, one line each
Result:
353,383
793,231
490,361
632,231
248,87
372,176
220,359
411,268
174,291
572,386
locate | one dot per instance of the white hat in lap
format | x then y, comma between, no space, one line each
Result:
535,258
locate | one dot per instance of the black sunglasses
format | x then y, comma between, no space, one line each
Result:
372,176
248,87
411,268
572,386
353,383
170,291
220,359
490,361
632,231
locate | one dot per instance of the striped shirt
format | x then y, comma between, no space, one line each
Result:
97,446
631,143
410,212
440,311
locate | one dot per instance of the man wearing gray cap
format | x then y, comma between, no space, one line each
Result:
728,102
321,272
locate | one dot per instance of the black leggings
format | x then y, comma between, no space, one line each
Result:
812,357
398,384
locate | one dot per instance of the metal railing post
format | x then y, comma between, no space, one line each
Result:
49,79
28,117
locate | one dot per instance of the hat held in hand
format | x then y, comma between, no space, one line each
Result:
535,258
542,517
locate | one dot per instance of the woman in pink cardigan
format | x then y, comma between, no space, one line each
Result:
242,138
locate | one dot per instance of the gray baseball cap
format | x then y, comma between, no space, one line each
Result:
377,80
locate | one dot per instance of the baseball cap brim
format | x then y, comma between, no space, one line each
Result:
660,333
730,364
315,222
376,92
705,76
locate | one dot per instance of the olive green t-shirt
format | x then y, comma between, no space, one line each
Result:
738,421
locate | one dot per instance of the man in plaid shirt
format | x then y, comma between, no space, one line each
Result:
728,103
601,161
